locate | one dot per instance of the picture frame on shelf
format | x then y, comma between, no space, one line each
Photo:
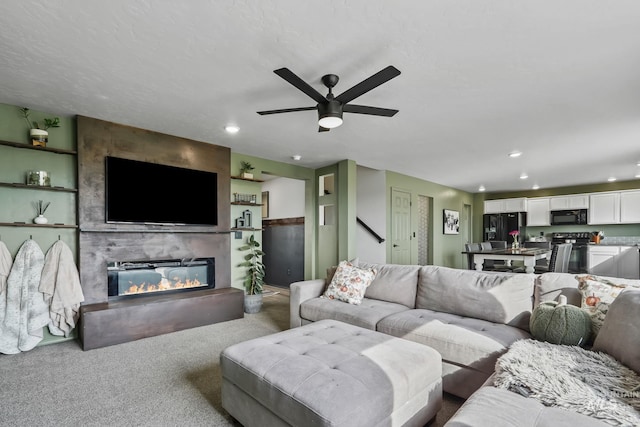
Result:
451,221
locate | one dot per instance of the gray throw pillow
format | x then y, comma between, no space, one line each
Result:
619,335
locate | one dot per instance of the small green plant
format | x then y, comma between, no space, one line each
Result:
254,281
47,123
246,167
41,206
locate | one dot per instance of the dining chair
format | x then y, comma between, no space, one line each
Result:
558,261
542,245
469,247
498,264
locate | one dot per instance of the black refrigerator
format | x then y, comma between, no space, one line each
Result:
498,226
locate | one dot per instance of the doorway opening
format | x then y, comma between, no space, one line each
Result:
283,235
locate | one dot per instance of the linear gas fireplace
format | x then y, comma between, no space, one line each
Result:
154,277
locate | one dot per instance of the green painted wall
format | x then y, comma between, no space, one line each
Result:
445,249
16,203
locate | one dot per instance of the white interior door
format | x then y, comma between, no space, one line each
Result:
400,227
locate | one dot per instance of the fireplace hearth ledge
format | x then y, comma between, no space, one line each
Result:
109,323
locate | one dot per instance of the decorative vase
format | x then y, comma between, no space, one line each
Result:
39,137
40,219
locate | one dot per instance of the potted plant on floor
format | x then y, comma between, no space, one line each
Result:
245,170
254,280
39,131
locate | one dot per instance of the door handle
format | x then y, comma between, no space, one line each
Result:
395,246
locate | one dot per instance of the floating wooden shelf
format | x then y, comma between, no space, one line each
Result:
38,187
246,229
247,179
28,224
34,147
246,204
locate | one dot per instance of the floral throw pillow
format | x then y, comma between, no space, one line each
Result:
597,294
349,283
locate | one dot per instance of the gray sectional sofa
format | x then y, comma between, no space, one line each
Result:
471,318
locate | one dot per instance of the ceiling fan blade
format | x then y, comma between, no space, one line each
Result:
288,75
374,111
321,129
286,110
366,85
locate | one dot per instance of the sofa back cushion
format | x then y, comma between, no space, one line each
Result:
620,334
497,297
549,286
393,283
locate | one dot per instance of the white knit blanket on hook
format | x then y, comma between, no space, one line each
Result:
570,377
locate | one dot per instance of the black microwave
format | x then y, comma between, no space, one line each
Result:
569,217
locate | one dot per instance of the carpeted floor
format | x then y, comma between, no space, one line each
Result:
168,380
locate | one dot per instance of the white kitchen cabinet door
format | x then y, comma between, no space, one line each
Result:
493,206
630,207
604,208
515,205
575,201
538,211
601,260
628,263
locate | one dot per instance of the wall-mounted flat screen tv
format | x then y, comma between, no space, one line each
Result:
151,193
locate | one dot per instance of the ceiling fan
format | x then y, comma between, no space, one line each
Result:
330,108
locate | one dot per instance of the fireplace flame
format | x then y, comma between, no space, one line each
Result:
164,285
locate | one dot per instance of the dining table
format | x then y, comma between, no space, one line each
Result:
528,256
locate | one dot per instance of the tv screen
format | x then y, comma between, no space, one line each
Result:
143,192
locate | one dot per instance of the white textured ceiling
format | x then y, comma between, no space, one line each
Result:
557,80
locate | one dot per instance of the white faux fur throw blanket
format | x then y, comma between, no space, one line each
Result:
570,377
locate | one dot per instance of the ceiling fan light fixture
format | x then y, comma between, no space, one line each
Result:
330,114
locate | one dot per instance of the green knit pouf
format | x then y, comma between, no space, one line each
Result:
559,323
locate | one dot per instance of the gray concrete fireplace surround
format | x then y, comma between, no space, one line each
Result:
106,322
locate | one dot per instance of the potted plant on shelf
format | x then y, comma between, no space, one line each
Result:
245,170
254,280
39,131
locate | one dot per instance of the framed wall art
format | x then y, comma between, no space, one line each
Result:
451,221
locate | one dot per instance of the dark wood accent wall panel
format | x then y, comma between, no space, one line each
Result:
100,242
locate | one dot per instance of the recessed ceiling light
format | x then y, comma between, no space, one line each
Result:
535,187
638,176
232,129
524,176
296,157
515,154
481,188
611,178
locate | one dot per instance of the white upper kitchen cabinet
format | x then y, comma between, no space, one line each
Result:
604,208
538,211
630,207
505,205
575,201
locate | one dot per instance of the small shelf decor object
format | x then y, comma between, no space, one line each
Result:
40,178
41,208
245,170
244,198
451,221
38,132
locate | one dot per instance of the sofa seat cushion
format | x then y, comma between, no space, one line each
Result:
366,315
497,297
492,407
462,341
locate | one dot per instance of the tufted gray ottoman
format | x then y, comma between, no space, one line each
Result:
330,373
